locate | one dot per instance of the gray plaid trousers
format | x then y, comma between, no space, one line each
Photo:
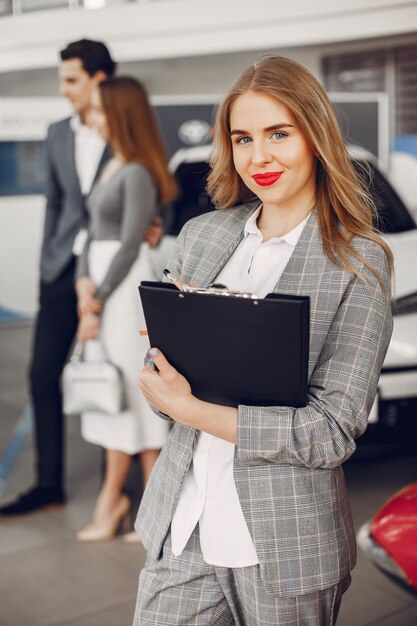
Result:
186,591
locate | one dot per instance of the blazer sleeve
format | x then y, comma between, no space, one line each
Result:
53,194
174,265
342,387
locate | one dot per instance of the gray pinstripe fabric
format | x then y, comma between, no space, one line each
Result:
185,591
288,461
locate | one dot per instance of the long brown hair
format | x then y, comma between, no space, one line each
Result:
341,197
134,130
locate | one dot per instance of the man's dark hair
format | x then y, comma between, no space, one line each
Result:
94,56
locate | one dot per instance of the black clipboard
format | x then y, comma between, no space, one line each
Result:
232,350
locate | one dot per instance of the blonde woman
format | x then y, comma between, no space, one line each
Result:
246,517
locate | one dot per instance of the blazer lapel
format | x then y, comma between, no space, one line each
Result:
307,256
69,149
228,238
305,275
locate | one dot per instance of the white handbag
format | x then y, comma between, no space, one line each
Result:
91,385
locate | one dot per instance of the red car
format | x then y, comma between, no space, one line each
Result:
390,538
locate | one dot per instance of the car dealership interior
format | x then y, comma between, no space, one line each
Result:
187,53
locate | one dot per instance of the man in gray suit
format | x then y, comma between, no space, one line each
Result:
75,156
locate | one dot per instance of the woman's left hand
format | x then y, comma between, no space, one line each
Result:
166,390
169,392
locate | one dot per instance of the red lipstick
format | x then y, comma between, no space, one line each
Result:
267,179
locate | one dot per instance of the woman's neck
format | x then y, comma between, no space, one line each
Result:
112,166
117,153
277,222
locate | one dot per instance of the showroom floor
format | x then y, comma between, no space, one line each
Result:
48,579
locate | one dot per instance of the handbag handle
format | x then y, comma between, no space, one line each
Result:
78,352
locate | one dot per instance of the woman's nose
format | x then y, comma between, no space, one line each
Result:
260,152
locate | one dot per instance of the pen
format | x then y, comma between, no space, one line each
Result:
179,285
144,333
170,276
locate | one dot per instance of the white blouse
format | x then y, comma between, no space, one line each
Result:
209,495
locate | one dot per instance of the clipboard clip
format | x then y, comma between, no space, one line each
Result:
216,288
220,290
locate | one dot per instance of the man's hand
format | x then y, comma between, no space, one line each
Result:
88,327
154,233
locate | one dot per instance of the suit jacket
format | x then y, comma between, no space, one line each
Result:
287,465
65,212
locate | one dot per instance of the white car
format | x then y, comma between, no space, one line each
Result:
396,404
394,415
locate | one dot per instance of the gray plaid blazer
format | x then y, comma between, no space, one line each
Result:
288,462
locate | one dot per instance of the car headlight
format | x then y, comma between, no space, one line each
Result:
406,304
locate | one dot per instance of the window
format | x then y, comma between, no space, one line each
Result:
22,168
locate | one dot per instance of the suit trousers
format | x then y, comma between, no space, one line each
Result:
186,591
54,333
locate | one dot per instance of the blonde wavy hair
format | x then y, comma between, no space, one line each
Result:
341,197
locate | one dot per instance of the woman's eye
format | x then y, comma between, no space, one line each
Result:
279,135
242,140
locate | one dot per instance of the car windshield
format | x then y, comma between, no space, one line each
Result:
393,216
192,199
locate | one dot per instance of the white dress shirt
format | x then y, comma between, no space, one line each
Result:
89,148
209,495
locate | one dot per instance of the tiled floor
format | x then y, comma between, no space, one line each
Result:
48,579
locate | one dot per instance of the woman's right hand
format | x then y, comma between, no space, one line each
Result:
154,232
180,285
85,289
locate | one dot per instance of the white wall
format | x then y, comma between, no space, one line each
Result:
203,74
183,28
191,75
20,241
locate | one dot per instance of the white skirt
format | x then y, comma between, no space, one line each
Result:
137,428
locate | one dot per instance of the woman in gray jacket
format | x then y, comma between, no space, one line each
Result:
246,517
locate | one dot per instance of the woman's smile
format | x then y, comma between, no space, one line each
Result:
267,179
